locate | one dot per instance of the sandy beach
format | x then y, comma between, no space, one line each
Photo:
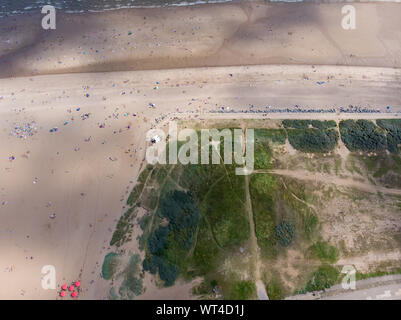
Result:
83,171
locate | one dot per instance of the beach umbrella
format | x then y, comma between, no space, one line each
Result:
74,294
77,283
71,288
64,286
62,294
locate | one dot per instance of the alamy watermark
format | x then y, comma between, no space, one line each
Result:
348,21
49,20
349,280
188,152
48,277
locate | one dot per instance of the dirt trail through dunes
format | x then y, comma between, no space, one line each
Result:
260,288
325,178
362,263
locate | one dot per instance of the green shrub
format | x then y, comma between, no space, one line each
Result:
137,190
285,233
144,222
393,128
263,154
313,140
110,265
325,277
168,245
296,124
123,229
362,135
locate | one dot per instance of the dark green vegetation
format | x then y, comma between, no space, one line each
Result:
297,124
393,129
285,233
168,244
312,135
304,124
359,135
313,140
110,265
362,135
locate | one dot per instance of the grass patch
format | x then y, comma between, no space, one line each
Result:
242,290
136,192
275,289
324,251
325,277
262,189
123,229
270,135
377,273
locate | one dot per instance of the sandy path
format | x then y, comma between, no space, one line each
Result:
372,258
325,178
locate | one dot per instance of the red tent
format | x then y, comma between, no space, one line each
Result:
74,294
77,283
64,286
71,288
62,294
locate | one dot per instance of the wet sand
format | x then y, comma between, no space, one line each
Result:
244,33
